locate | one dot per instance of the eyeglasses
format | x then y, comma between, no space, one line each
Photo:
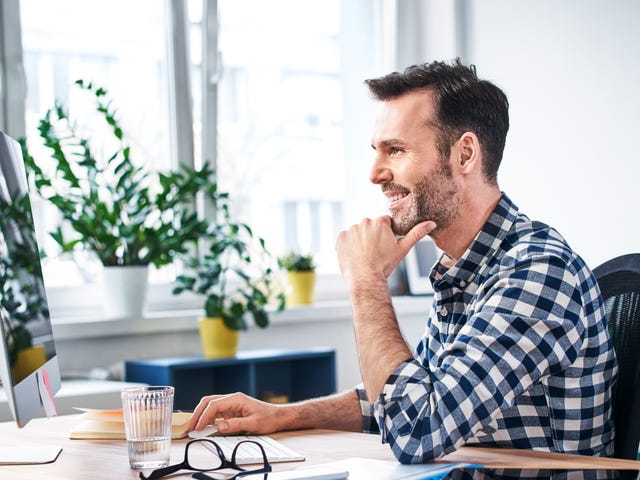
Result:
205,455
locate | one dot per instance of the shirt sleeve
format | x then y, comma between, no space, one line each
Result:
526,323
369,423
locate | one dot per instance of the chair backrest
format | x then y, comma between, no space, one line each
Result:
619,282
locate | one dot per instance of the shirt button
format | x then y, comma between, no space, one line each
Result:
443,311
463,283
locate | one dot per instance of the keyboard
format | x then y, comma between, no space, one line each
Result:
276,452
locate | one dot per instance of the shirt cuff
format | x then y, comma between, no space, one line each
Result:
369,424
389,409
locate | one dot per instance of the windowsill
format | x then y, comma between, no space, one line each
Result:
186,320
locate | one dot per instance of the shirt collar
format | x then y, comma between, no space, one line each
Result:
483,248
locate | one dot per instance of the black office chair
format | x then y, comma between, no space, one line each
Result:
619,282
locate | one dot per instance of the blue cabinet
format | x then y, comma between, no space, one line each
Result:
273,375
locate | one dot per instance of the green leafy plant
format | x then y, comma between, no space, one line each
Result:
124,212
235,275
22,297
297,262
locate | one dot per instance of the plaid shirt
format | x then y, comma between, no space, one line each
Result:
516,352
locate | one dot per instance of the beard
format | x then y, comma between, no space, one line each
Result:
435,197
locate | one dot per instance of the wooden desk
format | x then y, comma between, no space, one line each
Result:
107,459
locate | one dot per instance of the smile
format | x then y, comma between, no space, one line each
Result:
396,200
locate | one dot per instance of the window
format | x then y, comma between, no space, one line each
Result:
288,68
270,116
129,61
280,121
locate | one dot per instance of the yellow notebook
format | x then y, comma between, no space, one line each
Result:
109,425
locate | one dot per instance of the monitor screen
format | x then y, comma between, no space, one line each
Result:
29,368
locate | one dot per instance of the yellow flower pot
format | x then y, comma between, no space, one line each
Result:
28,361
218,341
301,286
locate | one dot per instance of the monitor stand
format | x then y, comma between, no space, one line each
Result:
46,395
34,454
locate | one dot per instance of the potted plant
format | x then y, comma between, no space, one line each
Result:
301,277
236,279
22,296
125,213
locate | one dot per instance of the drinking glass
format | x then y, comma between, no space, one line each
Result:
147,421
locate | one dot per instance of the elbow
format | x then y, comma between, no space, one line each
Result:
421,443
408,450
406,459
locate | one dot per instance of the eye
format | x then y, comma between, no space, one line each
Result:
395,150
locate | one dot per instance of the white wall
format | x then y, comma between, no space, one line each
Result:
571,71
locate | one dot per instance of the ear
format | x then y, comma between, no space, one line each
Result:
467,153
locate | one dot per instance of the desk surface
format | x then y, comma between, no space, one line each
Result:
98,459
107,459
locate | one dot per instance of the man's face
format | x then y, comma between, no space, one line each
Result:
413,175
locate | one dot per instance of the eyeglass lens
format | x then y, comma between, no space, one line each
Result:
203,455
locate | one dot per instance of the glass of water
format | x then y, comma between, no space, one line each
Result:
147,421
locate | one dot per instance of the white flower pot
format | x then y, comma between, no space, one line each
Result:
124,291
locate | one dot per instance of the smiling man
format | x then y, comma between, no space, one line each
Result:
516,350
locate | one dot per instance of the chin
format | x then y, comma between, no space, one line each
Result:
402,228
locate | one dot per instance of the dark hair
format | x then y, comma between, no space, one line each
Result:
463,103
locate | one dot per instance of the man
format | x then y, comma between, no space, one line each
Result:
516,350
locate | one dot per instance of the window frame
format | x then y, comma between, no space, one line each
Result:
13,89
84,301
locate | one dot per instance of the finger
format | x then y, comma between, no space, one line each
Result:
209,415
417,233
223,406
197,412
238,424
206,411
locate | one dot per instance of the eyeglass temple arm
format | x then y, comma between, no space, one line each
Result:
161,472
201,476
262,471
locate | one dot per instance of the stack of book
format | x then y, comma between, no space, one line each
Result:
109,425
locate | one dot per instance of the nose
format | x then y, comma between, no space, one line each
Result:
380,173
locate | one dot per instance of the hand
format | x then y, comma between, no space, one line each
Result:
371,249
240,413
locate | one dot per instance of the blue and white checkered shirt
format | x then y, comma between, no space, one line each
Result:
516,352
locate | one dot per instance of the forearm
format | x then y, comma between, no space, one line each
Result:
337,412
381,346
367,254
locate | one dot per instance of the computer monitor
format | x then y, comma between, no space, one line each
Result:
29,369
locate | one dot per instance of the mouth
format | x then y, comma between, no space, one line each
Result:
396,197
